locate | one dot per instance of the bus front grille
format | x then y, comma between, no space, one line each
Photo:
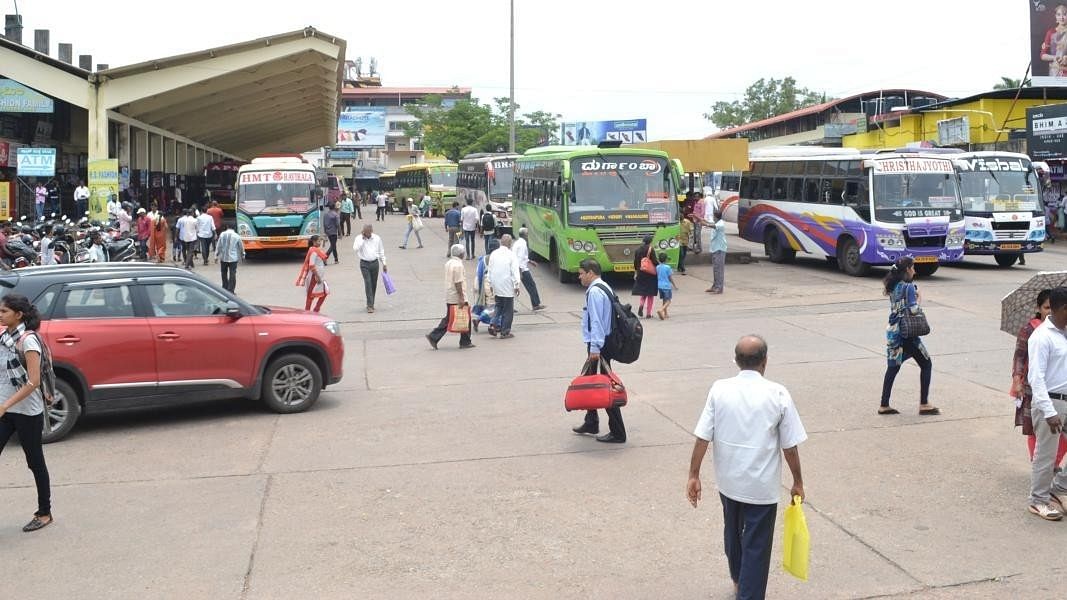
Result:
933,241
621,253
1011,225
608,236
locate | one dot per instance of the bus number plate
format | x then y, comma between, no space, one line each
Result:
278,238
624,268
925,259
1011,246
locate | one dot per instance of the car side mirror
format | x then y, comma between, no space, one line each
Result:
233,311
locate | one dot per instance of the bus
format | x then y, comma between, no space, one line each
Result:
436,179
486,180
855,209
1001,205
220,181
583,202
278,200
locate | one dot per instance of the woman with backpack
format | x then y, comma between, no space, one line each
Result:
488,226
646,282
23,405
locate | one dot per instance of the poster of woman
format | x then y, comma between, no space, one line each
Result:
1048,42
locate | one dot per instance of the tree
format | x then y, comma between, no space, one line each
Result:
470,126
1007,83
763,99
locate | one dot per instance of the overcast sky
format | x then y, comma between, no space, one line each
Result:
665,60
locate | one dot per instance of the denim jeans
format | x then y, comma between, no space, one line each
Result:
468,239
229,275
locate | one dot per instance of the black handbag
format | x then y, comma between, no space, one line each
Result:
913,325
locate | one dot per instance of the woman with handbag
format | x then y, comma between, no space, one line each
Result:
414,224
646,282
901,341
23,405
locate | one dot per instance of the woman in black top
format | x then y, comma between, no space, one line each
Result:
645,284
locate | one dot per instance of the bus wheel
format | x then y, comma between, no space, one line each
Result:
849,259
775,249
926,269
1006,260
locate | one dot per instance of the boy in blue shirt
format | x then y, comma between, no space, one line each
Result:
665,279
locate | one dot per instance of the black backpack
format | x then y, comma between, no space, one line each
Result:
488,221
48,375
623,343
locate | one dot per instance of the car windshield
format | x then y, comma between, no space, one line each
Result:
445,176
903,195
275,198
622,190
987,191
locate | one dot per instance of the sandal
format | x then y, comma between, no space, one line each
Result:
37,523
930,411
888,411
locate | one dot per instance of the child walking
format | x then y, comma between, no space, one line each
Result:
665,281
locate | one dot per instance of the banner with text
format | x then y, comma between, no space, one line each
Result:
35,162
103,186
591,133
363,128
17,98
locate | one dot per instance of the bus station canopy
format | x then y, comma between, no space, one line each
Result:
705,156
273,94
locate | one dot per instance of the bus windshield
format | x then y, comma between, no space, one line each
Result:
986,191
445,176
218,178
275,198
622,190
904,195
501,173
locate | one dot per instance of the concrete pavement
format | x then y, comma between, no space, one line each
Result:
454,474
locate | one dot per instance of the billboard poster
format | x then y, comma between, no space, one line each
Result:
1045,129
591,133
5,200
35,162
361,128
1048,42
103,185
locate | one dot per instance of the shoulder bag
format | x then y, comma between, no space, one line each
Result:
914,324
646,263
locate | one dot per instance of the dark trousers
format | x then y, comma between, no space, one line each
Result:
333,246
80,206
531,286
380,214
682,251
453,238
505,314
442,328
205,247
748,534
468,239
369,269
926,368
142,249
488,237
187,253
29,429
592,419
229,275
346,223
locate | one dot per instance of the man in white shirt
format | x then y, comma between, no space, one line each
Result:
522,253
752,422
468,218
96,248
370,251
503,272
382,200
205,234
1047,375
48,255
81,200
455,296
113,207
187,235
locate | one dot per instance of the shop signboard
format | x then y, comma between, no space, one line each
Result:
103,185
1048,45
5,200
362,128
17,98
591,133
36,162
1046,127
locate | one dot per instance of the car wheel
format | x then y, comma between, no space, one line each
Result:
60,418
291,384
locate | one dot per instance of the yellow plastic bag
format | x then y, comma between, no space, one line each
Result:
797,543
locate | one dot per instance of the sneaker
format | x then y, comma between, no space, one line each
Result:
1046,511
540,307
507,336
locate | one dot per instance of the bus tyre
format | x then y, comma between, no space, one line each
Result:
1005,260
850,260
775,249
926,269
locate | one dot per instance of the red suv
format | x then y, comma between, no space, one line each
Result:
131,335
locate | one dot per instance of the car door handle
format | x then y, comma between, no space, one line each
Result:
69,339
170,335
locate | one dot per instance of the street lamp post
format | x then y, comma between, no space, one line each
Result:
511,102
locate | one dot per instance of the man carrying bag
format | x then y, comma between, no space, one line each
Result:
596,325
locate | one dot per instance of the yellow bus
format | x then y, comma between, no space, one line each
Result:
436,179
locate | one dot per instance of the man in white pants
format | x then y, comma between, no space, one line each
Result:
1047,374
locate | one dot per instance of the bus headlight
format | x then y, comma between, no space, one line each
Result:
954,238
588,246
244,230
312,227
890,240
663,244
673,243
577,245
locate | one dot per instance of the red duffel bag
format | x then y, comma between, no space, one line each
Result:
595,391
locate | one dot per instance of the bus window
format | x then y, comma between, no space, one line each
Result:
837,191
764,191
796,189
780,184
749,185
811,189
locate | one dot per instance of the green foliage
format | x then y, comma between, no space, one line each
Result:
763,99
1007,83
470,126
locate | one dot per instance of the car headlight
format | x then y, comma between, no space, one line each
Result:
577,245
244,230
673,243
333,327
663,244
589,246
